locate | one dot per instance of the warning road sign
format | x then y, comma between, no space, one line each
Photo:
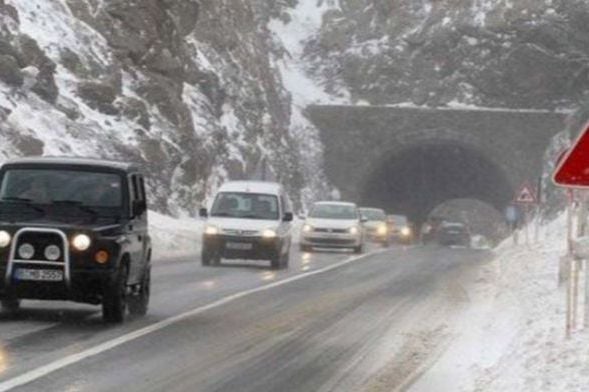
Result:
525,195
573,168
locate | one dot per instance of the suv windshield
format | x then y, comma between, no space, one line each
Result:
373,215
333,211
246,206
69,187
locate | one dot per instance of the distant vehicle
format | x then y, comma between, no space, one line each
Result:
376,228
333,225
454,233
74,229
429,229
248,220
400,229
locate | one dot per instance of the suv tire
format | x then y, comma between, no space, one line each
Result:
139,303
114,302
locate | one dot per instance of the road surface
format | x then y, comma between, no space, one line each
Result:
332,322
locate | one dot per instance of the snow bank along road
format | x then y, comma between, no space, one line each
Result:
371,323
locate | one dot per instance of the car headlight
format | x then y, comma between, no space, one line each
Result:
405,231
211,230
307,228
26,251
353,230
269,233
81,242
52,252
382,230
5,239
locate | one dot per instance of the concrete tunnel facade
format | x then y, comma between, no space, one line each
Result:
410,160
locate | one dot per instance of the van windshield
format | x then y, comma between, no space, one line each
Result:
246,206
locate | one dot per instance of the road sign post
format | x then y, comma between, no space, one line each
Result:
572,172
526,197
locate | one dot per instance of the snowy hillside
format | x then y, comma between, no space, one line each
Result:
493,53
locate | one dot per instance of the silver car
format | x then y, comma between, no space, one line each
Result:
333,225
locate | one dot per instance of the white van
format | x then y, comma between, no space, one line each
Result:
248,220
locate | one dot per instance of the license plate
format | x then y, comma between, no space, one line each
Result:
239,246
39,275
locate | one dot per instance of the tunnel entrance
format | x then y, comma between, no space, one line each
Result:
417,179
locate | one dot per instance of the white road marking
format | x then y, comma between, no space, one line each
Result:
43,371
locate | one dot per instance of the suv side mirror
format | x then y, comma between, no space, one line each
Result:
288,217
139,207
203,213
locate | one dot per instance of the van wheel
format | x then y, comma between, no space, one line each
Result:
306,249
139,303
209,258
285,260
114,303
10,305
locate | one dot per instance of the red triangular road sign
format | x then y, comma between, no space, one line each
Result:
573,170
525,195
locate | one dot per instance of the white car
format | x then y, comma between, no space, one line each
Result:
248,220
333,225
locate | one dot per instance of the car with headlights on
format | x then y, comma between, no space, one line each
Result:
333,225
248,220
376,227
400,229
74,229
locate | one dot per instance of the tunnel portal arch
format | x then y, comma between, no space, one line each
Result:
415,179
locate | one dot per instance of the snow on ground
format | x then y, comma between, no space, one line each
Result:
173,237
512,335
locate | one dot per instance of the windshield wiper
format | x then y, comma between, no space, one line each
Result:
22,200
75,203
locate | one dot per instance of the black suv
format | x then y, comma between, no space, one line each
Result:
74,229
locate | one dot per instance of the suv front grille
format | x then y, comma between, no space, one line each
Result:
40,241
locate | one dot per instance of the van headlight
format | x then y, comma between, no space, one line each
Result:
405,231
269,233
353,230
5,239
211,230
307,228
81,242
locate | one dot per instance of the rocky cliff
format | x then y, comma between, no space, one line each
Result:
497,53
188,88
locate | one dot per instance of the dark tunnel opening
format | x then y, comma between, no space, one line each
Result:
416,180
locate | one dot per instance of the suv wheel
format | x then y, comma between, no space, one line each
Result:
10,305
114,302
139,303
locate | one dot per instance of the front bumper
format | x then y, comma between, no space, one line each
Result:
234,247
85,285
330,240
